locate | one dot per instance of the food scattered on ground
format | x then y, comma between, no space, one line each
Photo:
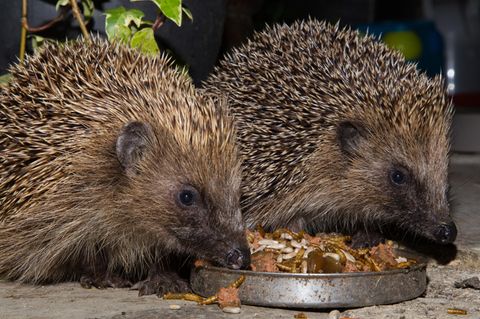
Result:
287,251
174,307
184,296
334,314
231,309
300,315
227,297
456,311
210,300
472,282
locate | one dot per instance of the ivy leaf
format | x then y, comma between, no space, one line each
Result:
112,19
145,41
133,16
114,25
188,13
37,41
88,8
4,79
172,9
62,3
118,20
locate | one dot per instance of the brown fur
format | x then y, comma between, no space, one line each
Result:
67,204
293,88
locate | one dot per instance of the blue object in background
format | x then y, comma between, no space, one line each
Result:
431,58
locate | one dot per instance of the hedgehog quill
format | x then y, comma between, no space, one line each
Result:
112,165
338,133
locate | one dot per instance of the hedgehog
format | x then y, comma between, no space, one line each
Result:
114,170
338,133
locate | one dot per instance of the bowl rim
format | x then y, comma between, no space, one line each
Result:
419,265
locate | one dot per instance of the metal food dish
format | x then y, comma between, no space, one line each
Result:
336,290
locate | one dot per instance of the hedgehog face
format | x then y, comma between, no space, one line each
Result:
408,175
418,201
183,197
208,229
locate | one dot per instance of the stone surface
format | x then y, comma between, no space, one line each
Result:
69,300
440,296
465,193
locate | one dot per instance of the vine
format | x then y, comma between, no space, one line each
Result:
126,26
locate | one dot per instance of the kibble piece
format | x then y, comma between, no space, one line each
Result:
234,310
323,253
334,314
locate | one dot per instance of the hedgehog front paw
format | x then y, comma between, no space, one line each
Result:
104,281
161,283
363,239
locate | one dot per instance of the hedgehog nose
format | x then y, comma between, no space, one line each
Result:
238,258
446,233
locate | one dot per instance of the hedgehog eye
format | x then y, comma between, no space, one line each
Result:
187,197
398,176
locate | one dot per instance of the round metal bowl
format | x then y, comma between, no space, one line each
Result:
337,290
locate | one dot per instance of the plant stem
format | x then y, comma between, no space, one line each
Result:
47,25
78,16
158,21
23,35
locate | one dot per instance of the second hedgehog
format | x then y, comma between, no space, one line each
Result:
339,133
111,166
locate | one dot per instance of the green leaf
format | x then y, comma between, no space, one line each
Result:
172,9
118,21
62,3
133,16
37,42
5,79
113,19
188,13
145,41
88,7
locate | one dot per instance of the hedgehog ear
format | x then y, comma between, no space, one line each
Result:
349,136
131,144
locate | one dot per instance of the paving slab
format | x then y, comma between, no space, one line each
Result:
70,301
465,195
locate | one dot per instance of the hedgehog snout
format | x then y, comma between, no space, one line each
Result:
238,258
446,233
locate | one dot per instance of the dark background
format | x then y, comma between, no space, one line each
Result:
219,25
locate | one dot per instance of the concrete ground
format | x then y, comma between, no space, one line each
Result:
71,301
